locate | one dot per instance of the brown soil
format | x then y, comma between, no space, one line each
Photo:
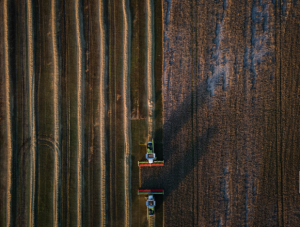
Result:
226,119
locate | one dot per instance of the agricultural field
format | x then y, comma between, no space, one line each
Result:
85,84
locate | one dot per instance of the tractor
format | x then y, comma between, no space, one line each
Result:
151,157
150,203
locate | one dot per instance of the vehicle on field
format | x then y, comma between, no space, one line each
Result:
151,157
150,203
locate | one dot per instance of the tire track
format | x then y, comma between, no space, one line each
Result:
8,118
32,117
80,106
57,119
126,97
103,214
149,67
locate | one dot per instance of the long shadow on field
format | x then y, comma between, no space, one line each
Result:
178,163
160,177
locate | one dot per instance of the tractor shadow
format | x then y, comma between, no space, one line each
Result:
178,163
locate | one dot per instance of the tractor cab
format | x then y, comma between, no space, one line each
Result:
150,155
150,201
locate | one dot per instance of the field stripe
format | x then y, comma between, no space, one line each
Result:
150,79
127,130
151,221
80,106
8,119
103,214
32,118
57,139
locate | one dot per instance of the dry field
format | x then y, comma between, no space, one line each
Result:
85,84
